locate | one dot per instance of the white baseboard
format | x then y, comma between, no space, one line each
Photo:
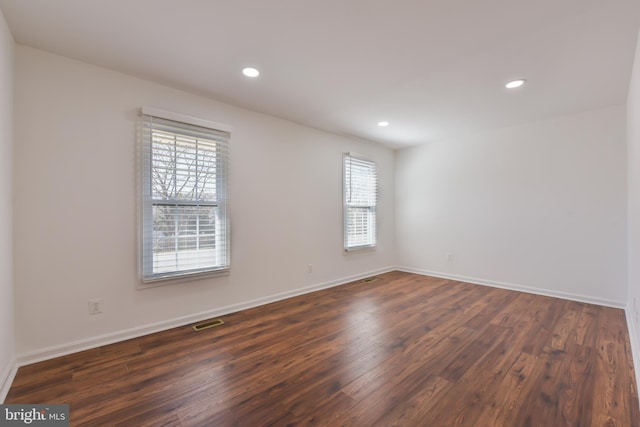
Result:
89,343
520,288
6,378
635,346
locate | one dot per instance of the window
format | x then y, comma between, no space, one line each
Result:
360,202
185,227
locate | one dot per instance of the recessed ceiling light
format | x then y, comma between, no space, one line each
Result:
383,124
515,83
250,72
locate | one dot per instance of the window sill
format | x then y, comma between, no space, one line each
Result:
174,280
359,249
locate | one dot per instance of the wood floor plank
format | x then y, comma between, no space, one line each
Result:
207,415
539,399
415,409
383,401
612,393
565,329
502,401
147,419
403,350
587,326
479,383
577,382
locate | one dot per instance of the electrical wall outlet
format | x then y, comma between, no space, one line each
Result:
450,257
96,306
309,268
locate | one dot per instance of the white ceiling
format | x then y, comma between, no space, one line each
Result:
434,68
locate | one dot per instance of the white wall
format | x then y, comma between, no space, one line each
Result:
540,205
633,201
75,198
6,203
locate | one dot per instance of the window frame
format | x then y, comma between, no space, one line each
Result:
373,208
146,226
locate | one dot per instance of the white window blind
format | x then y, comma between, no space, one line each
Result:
185,228
360,202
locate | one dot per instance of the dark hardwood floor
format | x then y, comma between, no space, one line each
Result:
403,350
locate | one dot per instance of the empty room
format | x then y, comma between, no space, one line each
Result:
330,213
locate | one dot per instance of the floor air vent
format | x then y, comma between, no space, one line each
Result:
370,279
208,324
